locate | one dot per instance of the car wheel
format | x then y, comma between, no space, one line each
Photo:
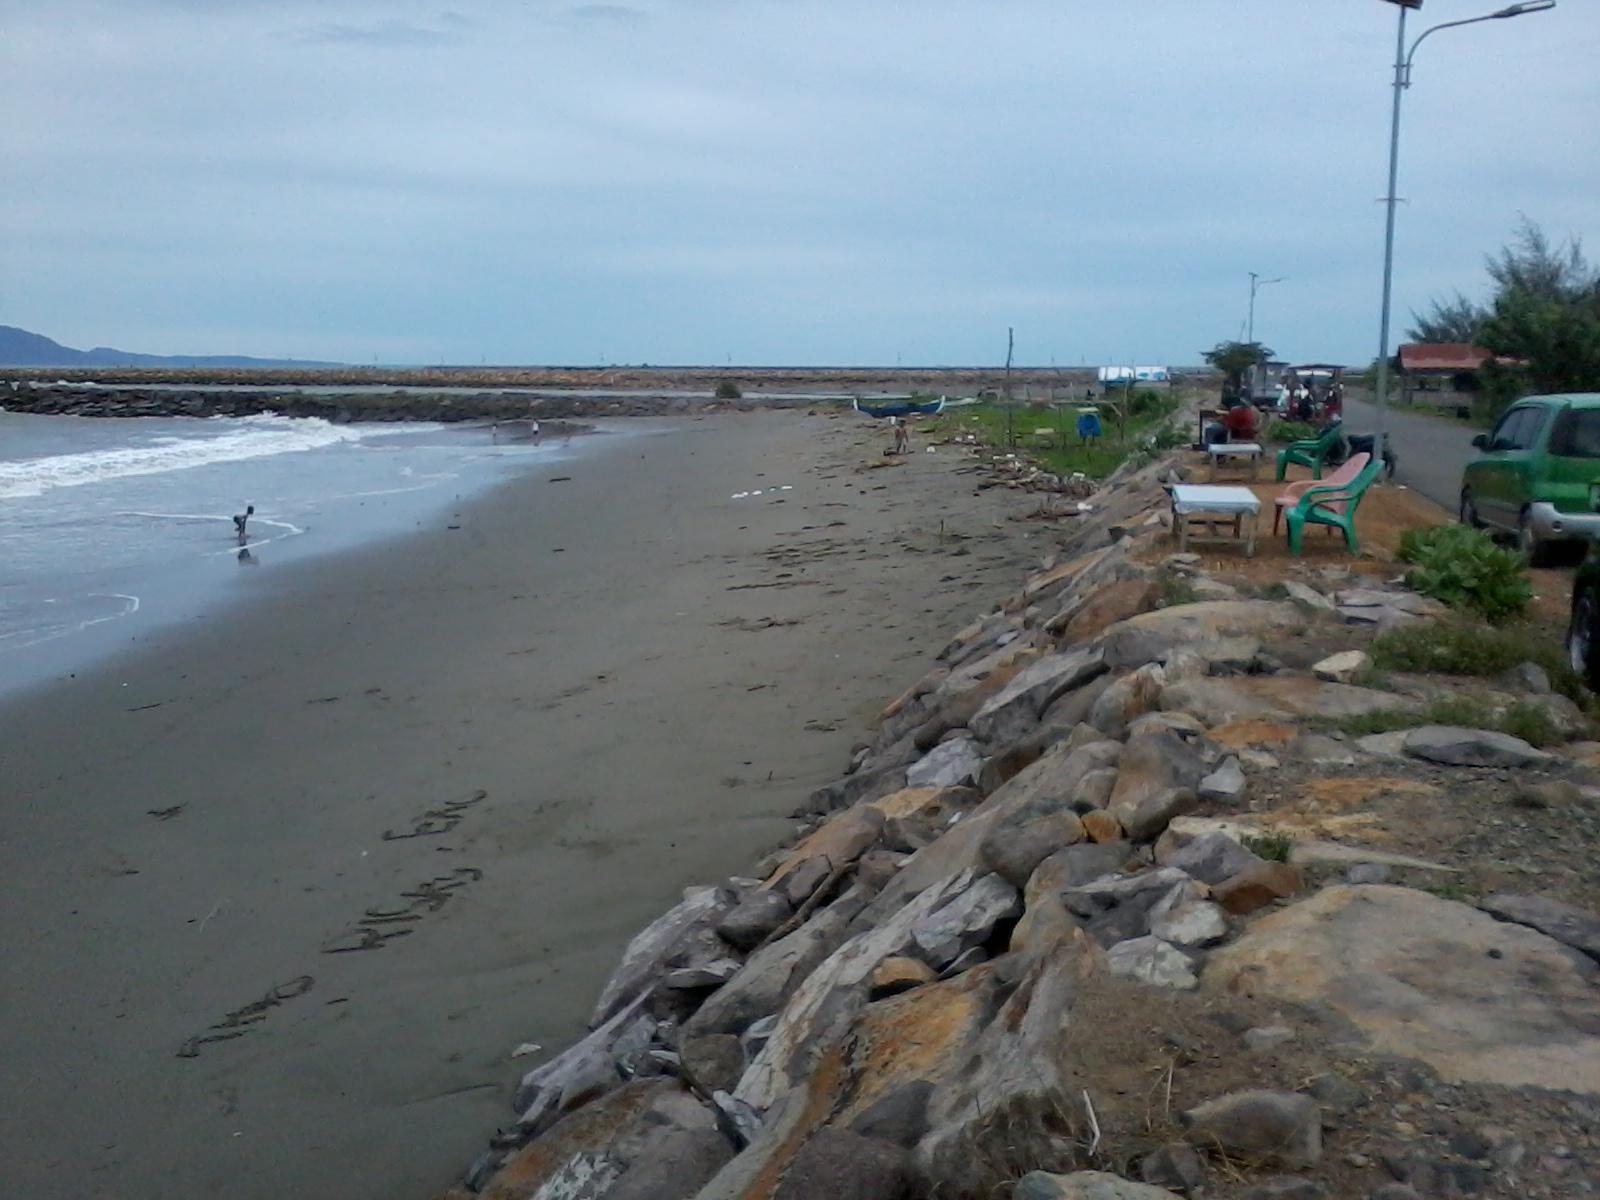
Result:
1469,510
1583,639
1536,551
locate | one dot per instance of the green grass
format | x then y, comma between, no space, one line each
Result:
1096,460
1274,847
1451,890
1176,589
1472,648
1526,721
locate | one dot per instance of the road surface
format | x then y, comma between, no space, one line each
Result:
1431,450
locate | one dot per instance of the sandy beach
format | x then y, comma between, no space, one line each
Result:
286,888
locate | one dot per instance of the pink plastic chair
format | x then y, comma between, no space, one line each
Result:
1344,476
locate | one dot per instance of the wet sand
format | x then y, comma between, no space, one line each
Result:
638,674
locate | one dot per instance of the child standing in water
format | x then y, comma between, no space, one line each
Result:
240,520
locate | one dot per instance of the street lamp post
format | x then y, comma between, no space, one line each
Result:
1402,80
1256,283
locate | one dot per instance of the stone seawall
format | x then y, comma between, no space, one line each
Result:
344,408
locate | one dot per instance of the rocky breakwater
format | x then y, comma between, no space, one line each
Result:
1030,945
80,400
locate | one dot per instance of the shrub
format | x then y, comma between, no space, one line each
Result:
1464,568
1469,648
727,389
1291,431
1274,847
1527,721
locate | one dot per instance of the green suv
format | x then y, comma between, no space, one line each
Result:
1538,474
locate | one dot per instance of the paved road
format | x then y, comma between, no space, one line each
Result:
1431,450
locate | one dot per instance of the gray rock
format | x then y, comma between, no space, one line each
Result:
1528,679
899,1116
1088,861
1224,785
1094,790
1570,926
651,947
1179,723
1210,858
1084,1185
586,1068
1384,745
1156,775
1307,595
1267,1037
704,975
836,1164
1286,1187
1127,698
1406,602
1072,708
949,764
1284,1127
676,1163
753,918
740,1121
1153,961
965,921
712,1063
756,1035
1141,890
1396,1191
866,785
1334,1091
803,878
1183,920
1345,667
1012,851
774,971
1174,1165
1016,708
1315,750
1455,746
1367,873
876,868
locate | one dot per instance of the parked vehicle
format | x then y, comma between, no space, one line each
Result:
1583,629
1537,476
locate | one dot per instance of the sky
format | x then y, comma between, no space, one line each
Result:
782,182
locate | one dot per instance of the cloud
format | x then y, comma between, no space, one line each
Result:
390,32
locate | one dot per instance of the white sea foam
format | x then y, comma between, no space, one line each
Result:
247,437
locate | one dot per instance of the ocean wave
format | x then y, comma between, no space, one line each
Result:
247,437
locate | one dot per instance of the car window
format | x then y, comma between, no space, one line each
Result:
1529,428
1505,433
1576,434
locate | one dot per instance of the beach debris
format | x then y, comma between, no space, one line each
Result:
165,814
525,1049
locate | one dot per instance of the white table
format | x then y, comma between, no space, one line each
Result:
1203,504
1221,452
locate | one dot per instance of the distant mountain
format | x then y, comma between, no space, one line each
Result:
19,348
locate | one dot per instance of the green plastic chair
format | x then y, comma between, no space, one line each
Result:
1334,506
1311,452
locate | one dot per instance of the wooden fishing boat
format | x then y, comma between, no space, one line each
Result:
898,408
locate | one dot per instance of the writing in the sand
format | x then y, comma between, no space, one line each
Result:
242,1020
378,925
438,820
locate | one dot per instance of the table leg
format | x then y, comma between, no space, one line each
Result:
1250,546
1182,522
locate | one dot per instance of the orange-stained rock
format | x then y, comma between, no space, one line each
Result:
1101,826
840,840
1258,887
899,974
1106,607
909,802
1248,734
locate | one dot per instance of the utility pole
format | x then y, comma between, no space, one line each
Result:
1011,437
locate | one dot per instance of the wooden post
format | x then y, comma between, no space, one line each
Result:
1011,436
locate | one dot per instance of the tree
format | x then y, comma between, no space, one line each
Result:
1543,321
1457,319
1234,359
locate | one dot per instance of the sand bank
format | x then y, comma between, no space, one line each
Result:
488,754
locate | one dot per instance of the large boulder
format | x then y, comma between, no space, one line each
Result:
1016,708
1150,960
838,1164
1459,747
753,918
836,843
649,949
1104,608
1283,1127
1129,696
1570,926
648,1138
1156,775
1150,636
1085,1185
1478,1000
1210,857
951,763
1276,697
964,921
1012,851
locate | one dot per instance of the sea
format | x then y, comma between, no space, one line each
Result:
112,526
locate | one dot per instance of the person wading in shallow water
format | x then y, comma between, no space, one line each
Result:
240,520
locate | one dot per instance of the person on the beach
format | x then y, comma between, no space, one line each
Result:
902,439
240,520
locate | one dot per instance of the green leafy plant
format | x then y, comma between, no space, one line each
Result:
727,389
1462,647
1274,847
1464,568
1291,431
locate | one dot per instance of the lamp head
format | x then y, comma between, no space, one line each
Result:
1518,10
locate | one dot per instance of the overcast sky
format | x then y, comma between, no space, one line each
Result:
766,181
